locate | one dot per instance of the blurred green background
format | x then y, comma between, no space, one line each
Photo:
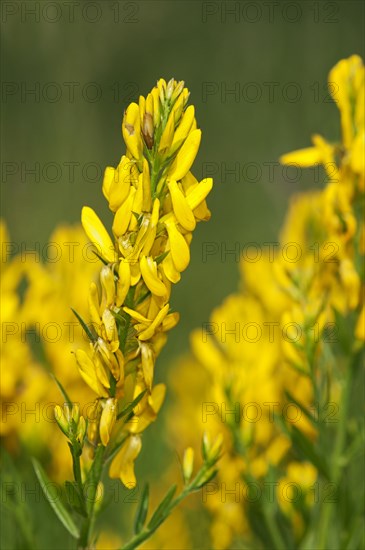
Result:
85,61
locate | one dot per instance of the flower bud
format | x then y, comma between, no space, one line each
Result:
81,430
61,420
188,464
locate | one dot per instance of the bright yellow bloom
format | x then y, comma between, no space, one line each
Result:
156,203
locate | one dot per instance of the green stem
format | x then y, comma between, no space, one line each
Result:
94,479
146,533
77,471
336,462
278,542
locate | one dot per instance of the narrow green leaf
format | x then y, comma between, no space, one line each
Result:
100,258
142,510
206,480
308,450
88,332
62,390
94,477
54,500
302,408
74,498
159,514
129,408
161,257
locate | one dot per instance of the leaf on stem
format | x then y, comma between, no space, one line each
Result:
54,500
142,510
159,514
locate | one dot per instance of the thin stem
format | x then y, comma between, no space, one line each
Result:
96,473
146,532
278,542
337,465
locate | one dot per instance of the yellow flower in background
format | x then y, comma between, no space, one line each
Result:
258,350
40,335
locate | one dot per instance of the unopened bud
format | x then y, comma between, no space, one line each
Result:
188,464
107,420
81,430
147,130
75,414
170,88
179,88
61,420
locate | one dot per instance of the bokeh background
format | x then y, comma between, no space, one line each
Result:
257,74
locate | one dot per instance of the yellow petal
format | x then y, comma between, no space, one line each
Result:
303,157
183,129
123,215
186,156
182,210
178,109
135,273
137,204
341,85
156,106
195,196
179,248
108,285
101,371
358,154
120,185
142,107
131,129
97,233
150,331
107,420
157,397
87,371
107,181
123,464
149,273
147,201
149,412
148,364
188,463
137,316
199,193
94,306
171,321
124,282
171,273
108,358
110,329
149,104
167,134
150,237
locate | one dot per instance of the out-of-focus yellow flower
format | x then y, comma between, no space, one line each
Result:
43,335
260,344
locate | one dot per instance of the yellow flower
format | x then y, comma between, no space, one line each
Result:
155,213
97,233
122,466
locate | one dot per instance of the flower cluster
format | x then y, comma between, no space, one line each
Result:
268,389
39,334
156,202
